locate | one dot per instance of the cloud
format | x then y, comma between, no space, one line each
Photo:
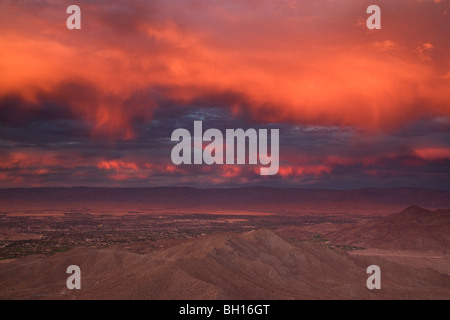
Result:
281,61
97,106
319,156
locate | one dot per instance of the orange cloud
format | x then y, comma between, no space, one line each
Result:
117,165
282,60
298,171
433,153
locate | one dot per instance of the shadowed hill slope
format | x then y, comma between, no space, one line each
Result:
414,228
253,265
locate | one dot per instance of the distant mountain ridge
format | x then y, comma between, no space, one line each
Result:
274,200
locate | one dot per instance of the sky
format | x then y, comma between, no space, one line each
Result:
97,106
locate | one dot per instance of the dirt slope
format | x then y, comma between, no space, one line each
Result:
254,265
414,228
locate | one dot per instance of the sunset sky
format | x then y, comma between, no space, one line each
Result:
97,106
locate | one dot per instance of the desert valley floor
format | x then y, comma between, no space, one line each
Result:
194,252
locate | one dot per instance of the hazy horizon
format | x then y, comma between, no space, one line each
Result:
228,188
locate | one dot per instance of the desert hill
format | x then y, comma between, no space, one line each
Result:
253,265
414,228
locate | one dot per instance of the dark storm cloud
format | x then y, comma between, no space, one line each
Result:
51,147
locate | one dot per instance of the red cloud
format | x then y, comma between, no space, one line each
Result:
283,61
117,165
298,171
433,153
